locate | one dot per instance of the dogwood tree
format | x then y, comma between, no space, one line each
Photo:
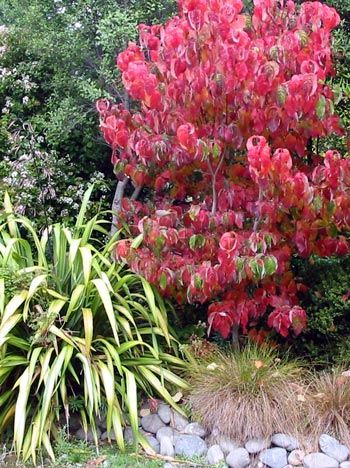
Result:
227,106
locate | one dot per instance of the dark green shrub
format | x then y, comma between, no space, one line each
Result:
327,302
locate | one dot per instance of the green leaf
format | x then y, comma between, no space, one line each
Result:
76,299
258,268
91,395
331,206
63,334
281,95
52,377
197,240
198,282
108,306
83,207
153,380
271,264
216,151
88,329
321,107
34,288
303,36
131,401
333,230
7,326
14,306
86,256
156,312
163,281
21,409
137,241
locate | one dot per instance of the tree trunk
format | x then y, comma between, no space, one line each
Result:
235,337
118,195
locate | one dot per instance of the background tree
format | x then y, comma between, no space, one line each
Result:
57,58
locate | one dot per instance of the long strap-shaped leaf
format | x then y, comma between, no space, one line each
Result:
22,399
108,306
50,384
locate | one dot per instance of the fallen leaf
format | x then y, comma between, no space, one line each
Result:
96,462
259,364
340,381
153,405
177,397
145,412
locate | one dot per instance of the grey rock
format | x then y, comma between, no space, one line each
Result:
296,457
128,435
168,465
111,436
331,447
215,455
154,443
320,460
169,432
345,464
127,420
274,457
285,441
195,429
166,447
180,422
164,412
257,445
101,422
89,436
152,423
190,445
74,422
226,444
238,458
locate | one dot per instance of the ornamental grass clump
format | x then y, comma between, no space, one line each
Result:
251,393
329,404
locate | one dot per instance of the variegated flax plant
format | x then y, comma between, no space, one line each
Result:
76,326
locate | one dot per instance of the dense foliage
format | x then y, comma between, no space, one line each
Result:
326,299
229,104
56,59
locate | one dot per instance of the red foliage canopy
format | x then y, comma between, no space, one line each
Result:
228,103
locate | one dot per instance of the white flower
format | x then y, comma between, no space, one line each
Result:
25,100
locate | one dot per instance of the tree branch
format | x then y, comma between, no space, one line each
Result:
118,195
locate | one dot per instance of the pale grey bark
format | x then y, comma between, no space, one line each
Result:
118,195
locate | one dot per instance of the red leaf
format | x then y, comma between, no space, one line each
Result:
279,319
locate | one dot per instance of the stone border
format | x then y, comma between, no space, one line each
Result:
171,434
